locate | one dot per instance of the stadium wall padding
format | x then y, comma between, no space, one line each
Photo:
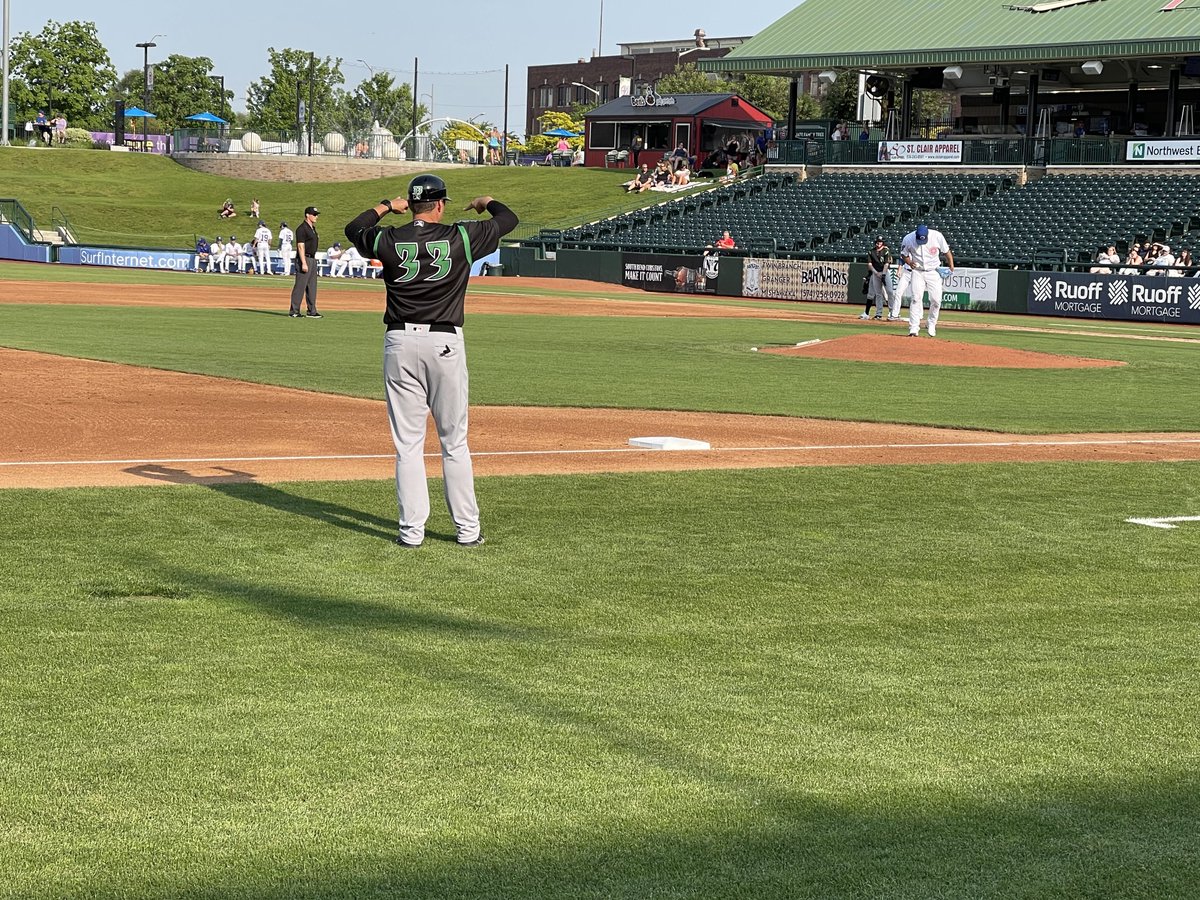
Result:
14,246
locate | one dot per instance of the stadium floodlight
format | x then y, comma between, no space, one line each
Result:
1092,67
827,77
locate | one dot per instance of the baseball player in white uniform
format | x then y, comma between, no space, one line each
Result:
262,248
922,251
216,258
233,254
286,249
333,256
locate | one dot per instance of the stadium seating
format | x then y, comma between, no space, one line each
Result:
984,215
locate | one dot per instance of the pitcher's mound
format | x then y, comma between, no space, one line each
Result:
927,351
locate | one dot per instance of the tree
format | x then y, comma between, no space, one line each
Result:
770,94
841,98
537,143
63,69
271,101
183,86
377,99
687,79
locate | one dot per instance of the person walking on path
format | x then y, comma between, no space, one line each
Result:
305,287
426,264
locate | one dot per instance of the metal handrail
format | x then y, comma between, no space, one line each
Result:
13,213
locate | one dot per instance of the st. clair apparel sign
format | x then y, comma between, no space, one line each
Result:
1162,151
793,279
1141,298
920,151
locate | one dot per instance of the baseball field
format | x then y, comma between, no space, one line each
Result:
894,635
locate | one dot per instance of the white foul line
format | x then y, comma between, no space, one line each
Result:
795,448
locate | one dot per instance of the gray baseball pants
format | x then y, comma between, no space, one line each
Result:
305,287
426,372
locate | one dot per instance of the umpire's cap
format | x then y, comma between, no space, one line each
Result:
426,188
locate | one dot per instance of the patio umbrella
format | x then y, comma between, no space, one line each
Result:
205,117
559,132
135,112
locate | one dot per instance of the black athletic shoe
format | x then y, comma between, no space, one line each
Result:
314,315
478,542
406,545
293,315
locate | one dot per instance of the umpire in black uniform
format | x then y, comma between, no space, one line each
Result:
306,265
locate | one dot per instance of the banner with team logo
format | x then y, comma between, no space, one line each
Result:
1135,298
796,279
920,151
1162,151
677,274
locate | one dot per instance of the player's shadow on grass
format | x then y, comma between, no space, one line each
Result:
241,485
262,312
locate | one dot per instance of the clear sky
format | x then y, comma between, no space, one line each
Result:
459,36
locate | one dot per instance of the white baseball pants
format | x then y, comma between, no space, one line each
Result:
922,282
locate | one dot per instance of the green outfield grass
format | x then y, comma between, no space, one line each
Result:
650,363
145,200
900,681
958,681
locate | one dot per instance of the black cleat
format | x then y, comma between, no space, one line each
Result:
478,542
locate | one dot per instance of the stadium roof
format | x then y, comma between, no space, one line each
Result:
880,34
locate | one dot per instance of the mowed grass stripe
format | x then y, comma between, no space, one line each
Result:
924,681
647,363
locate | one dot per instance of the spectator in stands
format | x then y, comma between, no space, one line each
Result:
864,135
60,129
254,213
360,149
1164,263
1185,266
1133,262
227,210
203,253
679,156
494,146
731,170
726,241
641,181
577,158
662,174
43,125
1106,261
760,149
682,175
635,148
837,133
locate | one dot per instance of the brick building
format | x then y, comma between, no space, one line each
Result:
637,68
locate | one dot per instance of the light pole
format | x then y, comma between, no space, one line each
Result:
586,88
220,80
430,110
146,45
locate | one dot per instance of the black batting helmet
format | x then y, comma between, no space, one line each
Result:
426,188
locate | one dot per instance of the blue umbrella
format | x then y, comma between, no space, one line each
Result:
133,112
559,132
205,117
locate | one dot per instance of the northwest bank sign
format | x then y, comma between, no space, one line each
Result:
1144,298
1162,151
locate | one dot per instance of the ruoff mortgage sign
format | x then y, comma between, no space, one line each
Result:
1162,151
1143,298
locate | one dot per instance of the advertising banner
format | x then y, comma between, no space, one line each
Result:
176,260
1134,298
677,274
797,279
920,151
1162,151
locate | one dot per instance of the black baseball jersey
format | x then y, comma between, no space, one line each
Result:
425,264
307,235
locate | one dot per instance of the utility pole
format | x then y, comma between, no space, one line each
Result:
4,99
311,100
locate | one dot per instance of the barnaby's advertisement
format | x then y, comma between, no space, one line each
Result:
1144,298
796,279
